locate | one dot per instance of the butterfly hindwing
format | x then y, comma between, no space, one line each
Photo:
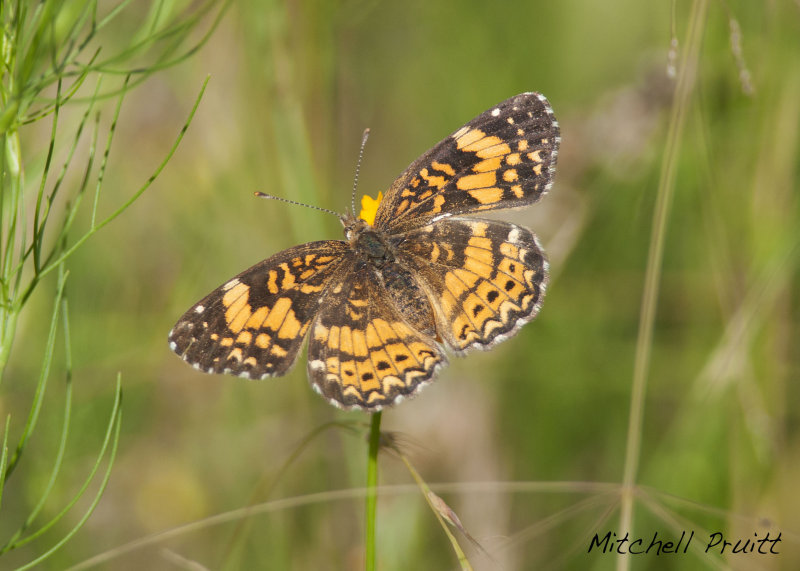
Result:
487,277
254,325
363,352
505,157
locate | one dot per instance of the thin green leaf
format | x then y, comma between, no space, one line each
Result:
39,227
45,495
50,105
37,234
41,385
112,436
107,151
179,31
4,456
69,251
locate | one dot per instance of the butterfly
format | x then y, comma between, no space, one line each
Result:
412,278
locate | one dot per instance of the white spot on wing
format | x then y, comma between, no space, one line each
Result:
495,112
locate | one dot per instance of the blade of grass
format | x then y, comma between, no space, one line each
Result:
683,89
428,494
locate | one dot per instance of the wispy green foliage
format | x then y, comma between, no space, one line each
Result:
51,52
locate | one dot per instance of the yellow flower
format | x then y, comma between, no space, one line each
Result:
369,208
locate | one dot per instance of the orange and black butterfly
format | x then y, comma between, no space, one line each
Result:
419,276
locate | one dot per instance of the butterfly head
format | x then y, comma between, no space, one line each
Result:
355,225
368,242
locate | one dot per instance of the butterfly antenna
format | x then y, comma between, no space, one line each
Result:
286,200
364,138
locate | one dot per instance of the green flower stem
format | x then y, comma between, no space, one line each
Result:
372,489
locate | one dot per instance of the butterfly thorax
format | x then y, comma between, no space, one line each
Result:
368,242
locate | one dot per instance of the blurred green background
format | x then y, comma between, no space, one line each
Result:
292,86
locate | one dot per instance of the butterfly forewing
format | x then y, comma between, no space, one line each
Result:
504,158
254,325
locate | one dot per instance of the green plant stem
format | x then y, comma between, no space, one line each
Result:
11,191
683,89
372,490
